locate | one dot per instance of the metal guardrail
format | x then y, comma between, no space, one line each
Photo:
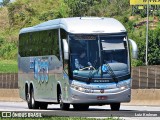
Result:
9,80
144,77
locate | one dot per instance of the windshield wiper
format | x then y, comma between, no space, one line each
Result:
91,70
111,73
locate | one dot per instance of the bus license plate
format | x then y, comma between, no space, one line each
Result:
101,97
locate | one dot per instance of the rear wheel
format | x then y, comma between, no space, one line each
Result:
80,107
43,105
63,106
28,98
34,104
115,106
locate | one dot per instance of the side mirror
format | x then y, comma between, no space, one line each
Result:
134,49
66,49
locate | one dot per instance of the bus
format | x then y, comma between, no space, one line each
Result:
79,61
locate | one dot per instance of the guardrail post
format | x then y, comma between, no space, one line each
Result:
147,76
139,77
14,81
155,76
10,81
2,80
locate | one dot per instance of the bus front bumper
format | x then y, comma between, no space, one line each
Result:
118,96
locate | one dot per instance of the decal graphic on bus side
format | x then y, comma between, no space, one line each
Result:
40,67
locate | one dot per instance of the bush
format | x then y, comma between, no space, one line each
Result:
8,50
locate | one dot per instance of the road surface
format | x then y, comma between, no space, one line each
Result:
127,112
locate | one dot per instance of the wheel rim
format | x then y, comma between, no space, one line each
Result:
29,101
28,97
32,100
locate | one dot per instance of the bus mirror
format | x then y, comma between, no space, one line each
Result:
65,48
134,49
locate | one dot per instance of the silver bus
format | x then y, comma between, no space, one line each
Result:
81,61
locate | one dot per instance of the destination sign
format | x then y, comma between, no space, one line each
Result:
85,37
144,2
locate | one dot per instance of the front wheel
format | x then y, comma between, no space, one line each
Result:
43,105
63,106
80,107
115,106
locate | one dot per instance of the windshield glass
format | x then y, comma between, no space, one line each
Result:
114,49
93,56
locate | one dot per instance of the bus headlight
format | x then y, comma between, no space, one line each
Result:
123,85
81,88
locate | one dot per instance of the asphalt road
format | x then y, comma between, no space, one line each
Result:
127,112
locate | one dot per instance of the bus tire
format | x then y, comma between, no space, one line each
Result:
63,106
43,105
34,104
115,106
28,98
80,107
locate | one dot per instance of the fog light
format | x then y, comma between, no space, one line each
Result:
75,96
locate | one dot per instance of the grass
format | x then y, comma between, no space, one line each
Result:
8,66
58,118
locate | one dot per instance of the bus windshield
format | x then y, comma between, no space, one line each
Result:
98,57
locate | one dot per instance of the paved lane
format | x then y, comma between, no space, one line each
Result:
127,111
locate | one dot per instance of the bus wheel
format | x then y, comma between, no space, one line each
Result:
34,104
29,101
43,105
80,107
115,106
63,106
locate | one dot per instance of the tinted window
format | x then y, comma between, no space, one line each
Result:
39,43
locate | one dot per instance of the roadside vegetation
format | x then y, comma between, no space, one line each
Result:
25,13
8,66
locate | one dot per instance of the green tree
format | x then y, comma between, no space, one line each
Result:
81,7
154,47
4,2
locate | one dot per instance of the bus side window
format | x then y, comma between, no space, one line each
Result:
55,45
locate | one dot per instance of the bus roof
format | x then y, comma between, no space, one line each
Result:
80,25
